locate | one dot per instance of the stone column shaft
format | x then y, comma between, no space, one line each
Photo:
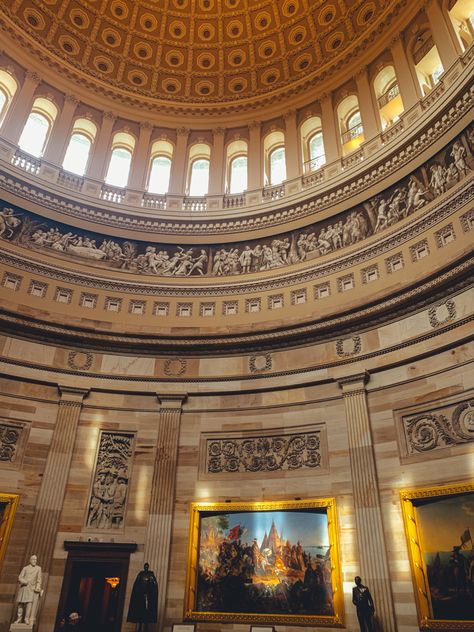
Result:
218,163
179,169
368,110
448,49
255,161
331,132
410,90
50,500
292,155
20,108
368,513
61,132
100,150
140,168
157,545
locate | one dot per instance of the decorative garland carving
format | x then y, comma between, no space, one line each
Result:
264,454
80,360
175,367
10,437
428,431
447,169
356,349
450,309
260,363
109,491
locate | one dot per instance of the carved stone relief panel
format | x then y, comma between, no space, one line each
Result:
256,452
12,440
432,427
110,483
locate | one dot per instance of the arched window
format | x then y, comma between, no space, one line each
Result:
312,144
123,145
199,182
198,173
38,127
350,124
388,96
237,166
428,65
275,159
160,167
238,174
8,87
80,143
277,165
461,14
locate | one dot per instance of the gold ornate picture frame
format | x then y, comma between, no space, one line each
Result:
265,563
8,505
439,527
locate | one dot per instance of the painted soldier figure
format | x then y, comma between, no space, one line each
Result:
362,600
143,608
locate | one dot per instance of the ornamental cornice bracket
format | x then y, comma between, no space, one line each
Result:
352,383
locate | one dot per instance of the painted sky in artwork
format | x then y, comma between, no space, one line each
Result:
309,528
444,520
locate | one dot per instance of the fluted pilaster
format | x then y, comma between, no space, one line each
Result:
157,545
370,536
53,484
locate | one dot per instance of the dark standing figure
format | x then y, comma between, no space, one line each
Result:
143,608
362,600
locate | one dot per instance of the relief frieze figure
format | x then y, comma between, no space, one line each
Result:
264,454
108,498
445,170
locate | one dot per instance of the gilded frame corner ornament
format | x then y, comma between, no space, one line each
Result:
410,498
328,505
6,521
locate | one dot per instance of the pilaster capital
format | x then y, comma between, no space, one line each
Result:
255,125
72,99
171,401
355,383
395,40
361,72
289,114
146,126
110,116
183,132
218,131
33,76
72,395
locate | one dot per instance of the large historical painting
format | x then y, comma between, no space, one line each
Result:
275,562
440,531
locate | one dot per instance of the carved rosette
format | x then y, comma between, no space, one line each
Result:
10,436
110,484
264,454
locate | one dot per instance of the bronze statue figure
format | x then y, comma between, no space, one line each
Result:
143,608
362,600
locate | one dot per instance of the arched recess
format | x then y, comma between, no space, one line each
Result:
123,144
237,166
312,143
8,87
350,124
38,126
161,156
426,60
387,92
198,169
461,14
275,161
78,150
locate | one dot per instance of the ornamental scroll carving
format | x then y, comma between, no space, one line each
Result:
264,454
10,439
447,426
109,491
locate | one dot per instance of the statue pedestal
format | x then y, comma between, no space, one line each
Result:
21,627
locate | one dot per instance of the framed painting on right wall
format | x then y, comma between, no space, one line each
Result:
439,526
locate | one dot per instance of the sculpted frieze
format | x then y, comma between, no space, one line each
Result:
409,195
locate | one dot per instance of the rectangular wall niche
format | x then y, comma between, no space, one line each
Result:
254,452
429,428
109,490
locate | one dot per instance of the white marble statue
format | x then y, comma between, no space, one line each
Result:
28,592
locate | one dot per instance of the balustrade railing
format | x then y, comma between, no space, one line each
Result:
354,132
70,180
388,95
273,193
195,204
235,200
152,201
314,164
112,194
27,162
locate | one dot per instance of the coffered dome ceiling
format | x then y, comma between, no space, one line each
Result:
197,51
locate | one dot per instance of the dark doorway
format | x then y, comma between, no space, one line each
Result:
94,584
